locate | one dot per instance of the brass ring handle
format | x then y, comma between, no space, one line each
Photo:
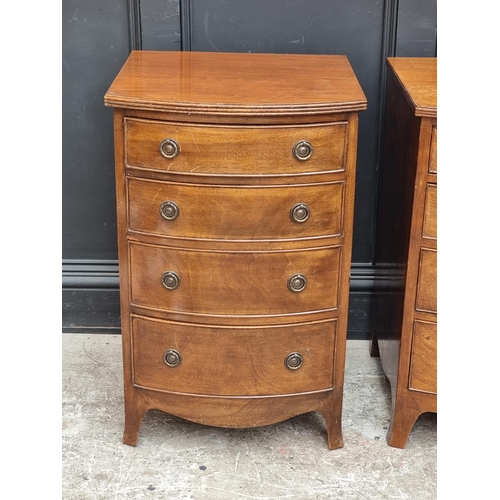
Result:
170,280
172,358
294,361
169,210
297,283
299,213
169,148
302,150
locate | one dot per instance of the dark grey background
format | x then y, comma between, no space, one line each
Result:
97,38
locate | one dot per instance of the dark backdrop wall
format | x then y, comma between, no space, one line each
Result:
98,36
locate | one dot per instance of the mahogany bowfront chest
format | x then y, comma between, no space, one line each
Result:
405,305
235,193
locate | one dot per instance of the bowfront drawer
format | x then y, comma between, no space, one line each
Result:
426,299
234,213
198,359
423,369
432,168
234,283
235,151
429,227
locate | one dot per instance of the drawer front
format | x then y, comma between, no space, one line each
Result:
232,361
423,367
429,229
433,151
215,150
427,281
235,213
234,283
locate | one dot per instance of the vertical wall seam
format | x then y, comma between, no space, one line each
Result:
185,24
135,29
389,36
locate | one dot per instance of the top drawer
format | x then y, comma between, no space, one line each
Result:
243,151
433,152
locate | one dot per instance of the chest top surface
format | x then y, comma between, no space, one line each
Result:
418,78
236,83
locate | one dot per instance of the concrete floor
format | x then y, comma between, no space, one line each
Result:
176,459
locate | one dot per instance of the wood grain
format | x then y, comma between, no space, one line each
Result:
418,79
429,227
235,412
229,83
433,152
235,151
234,283
423,368
426,299
405,310
235,213
233,361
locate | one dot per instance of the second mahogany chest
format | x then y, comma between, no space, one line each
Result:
405,313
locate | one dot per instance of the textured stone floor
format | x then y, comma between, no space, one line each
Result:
176,459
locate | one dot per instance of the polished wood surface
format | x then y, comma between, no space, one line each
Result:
423,368
210,285
405,307
233,361
235,151
234,412
218,211
426,299
233,244
433,153
227,83
429,229
417,77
